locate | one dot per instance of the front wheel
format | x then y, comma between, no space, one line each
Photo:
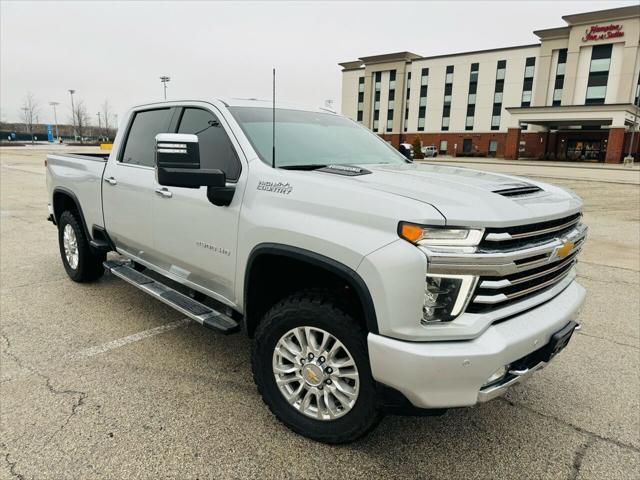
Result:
81,263
311,367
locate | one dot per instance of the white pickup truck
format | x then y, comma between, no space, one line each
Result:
367,283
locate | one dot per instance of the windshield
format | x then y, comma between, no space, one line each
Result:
310,138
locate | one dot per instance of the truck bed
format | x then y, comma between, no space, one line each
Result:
80,175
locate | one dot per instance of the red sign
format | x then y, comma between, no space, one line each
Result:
603,32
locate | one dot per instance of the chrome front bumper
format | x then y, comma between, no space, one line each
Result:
448,374
518,374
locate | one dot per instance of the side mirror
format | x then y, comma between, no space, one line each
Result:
178,163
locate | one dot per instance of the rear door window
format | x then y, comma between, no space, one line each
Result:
140,146
216,150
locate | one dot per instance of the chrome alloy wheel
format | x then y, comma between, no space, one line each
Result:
316,373
70,243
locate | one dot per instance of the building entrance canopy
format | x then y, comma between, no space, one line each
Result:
561,117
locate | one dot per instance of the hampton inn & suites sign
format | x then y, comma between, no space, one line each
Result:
603,32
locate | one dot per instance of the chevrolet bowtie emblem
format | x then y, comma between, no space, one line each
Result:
312,375
565,249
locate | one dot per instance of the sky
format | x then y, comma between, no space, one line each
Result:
117,50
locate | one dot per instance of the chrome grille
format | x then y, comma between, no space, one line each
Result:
514,237
533,274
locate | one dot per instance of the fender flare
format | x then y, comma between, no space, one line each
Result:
75,200
346,273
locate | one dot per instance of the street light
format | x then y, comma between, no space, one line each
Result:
164,79
99,125
73,114
55,117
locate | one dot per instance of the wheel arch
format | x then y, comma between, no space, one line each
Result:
314,262
65,199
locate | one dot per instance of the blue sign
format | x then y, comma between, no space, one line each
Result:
50,133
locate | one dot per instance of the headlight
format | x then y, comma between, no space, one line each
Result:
437,236
446,296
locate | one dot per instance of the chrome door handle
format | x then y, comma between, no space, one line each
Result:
111,180
164,192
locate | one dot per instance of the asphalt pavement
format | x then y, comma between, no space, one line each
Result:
101,381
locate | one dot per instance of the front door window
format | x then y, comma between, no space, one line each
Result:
585,150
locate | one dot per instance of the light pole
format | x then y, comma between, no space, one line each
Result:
55,117
164,79
73,114
99,125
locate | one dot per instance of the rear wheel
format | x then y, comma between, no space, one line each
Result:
80,261
311,366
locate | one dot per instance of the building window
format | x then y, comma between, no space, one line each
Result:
443,147
422,103
559,82
360,99
391,102
406,108
471,99
448,92
598,74
527,85
376,100
498,94
493,147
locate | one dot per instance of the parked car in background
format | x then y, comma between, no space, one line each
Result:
407,150
430,151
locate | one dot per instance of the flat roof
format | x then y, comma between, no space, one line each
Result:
603,15
359,64
545,33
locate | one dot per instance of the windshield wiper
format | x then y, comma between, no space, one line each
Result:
311,166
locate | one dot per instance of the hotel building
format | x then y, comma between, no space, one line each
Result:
572,96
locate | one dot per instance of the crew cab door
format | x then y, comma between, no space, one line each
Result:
129,182
196,240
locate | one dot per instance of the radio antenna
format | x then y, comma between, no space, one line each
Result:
273,123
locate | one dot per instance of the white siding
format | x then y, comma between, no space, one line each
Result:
582,77
615,73
349,106
551,84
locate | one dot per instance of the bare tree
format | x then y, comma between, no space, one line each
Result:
82,119
30,108
107,120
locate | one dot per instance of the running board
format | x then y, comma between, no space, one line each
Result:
197,311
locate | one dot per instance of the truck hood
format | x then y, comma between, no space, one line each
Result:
468,197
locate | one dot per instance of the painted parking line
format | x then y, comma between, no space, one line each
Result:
121,342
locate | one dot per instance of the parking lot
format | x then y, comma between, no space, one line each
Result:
100,381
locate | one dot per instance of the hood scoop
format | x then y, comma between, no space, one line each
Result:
346,170
517,190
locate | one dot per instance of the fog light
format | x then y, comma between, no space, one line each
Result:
499,374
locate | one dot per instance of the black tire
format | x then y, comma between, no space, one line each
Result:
89,266
323,310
